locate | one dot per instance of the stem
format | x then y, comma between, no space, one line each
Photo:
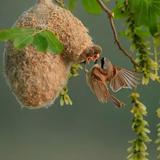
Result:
45,1
110,16
60,2
50,2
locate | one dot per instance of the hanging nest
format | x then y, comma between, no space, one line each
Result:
37,78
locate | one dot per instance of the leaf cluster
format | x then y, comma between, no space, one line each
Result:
42,40
142,29
65,98
144,12
91,6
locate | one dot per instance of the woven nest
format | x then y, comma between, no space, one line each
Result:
36,78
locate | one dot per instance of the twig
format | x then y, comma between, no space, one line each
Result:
110,16
60,2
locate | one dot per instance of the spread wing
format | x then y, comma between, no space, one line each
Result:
124,79
98,87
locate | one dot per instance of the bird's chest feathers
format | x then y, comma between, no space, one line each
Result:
110,73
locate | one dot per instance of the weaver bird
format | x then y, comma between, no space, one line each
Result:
99,76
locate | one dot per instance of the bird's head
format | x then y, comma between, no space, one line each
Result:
105,63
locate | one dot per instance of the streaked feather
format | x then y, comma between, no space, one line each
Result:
98,88
117,102
124,79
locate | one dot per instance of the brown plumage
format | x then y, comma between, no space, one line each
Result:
99,77
91,54
36,78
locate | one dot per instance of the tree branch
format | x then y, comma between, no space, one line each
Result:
110,16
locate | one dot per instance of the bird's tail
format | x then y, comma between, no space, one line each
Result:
116,101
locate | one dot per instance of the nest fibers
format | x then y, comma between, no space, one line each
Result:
36,78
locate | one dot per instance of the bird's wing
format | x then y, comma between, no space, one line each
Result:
124,79
101,91
98,87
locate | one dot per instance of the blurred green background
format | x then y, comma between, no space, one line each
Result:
87,130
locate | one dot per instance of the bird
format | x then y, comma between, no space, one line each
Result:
105,74
91,53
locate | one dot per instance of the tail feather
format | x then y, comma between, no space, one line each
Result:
116,101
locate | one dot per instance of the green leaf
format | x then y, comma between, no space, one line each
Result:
156,6
40,43
54,45
152,20
72,4
41,40
12,33
22,41
92,6
61,101
146,13
117,13
118,9
140,9
142,31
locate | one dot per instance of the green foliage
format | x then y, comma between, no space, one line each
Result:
149,11
22,41
54,45
118,9
92,6
72,4
144,12
139,33
157,142
13,33
40,43
158,112
74,72
64,96
143,55
138,149
42,40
